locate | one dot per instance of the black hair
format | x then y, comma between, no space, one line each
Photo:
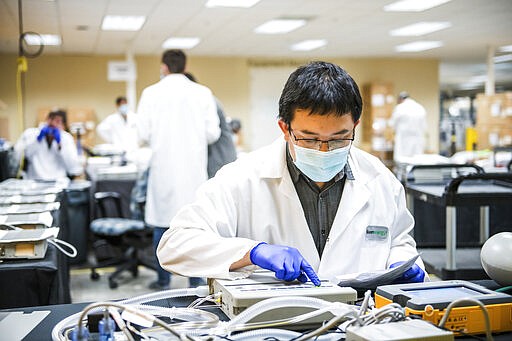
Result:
235,125
175,60
59,113
322,88
120,99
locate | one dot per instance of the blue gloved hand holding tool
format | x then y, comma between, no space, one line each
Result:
286,262
414,274
44,131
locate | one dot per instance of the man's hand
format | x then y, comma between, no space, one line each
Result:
415,274
286,262
46,130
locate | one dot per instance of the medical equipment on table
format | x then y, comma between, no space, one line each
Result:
431,301
237,295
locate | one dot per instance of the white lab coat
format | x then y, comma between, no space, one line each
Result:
178,118
48,163
121,133
409,121
253,199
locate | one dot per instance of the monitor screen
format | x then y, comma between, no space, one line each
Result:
443,294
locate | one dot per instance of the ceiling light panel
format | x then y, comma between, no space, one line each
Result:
122,22
418,46
181,43
42,39
279,26
231,3
420,29
413,5
506,48
308,45
503,58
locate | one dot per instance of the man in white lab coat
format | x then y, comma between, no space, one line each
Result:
49,152
119,128
311,205
178,119
409,121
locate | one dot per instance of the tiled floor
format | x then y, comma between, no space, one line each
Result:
83,289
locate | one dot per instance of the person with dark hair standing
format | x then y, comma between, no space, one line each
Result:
177,119
222,151
310,205
49,152
119,128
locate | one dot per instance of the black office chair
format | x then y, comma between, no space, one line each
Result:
118,241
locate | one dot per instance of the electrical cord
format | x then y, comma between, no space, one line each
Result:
324,328
364,304
463,301
120,323
213,298
504,289
138,313
40,46
277,323
55,242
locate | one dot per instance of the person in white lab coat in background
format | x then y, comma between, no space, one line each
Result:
178,119
119,128
49,152
310,205
409,122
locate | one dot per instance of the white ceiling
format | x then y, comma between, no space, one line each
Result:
353,28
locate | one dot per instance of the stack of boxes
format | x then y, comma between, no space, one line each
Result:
494,120
378,105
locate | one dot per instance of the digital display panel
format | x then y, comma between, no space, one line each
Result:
443,294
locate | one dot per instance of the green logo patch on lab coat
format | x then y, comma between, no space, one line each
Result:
376,233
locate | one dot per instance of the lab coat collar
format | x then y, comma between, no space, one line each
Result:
273,159
274,162
172,77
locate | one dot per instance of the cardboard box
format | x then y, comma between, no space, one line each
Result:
494,109
493,135
378,105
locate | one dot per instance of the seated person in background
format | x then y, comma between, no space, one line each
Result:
49,152
119,128
308,203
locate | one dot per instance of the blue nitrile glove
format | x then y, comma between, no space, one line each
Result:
415,274
56,134
44,131
287,262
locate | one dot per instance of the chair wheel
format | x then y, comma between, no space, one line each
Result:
95,276
112,284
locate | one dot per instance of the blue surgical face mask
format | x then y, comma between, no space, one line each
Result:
320,166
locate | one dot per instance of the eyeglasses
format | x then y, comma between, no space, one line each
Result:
317,144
